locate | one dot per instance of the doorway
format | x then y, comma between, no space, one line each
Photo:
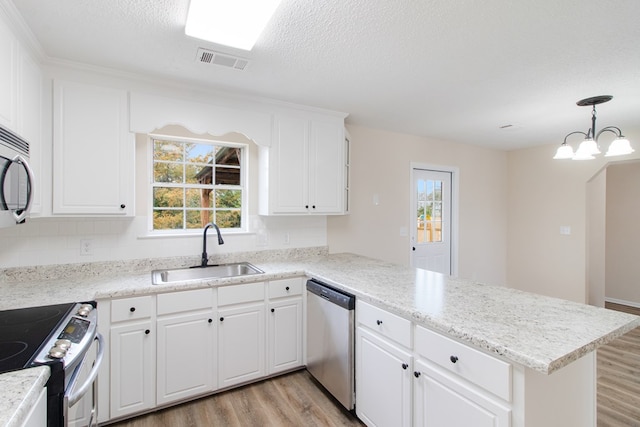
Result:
432,219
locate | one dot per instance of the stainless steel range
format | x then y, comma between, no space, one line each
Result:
58,336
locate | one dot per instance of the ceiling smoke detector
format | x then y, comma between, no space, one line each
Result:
207,56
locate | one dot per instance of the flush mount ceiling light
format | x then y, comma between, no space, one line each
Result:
589,147
235,23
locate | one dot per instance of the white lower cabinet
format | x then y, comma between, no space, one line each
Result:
407,375
174,346
132,356
383,381
241,344
37,416
284,323
442,399
185,342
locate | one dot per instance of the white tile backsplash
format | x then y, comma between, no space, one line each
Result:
47,241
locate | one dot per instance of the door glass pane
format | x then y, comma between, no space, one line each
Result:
429,211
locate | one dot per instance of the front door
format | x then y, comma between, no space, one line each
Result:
431,227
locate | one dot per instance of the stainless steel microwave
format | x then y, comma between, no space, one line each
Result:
16,179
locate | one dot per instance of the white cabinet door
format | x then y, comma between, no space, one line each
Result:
186,360
305,167
326,167
288,183
132,357
37,416
8,86
241,344
30,119
93,151
383,382
285,334
442,399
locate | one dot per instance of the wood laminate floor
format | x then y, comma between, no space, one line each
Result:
289,400
619,378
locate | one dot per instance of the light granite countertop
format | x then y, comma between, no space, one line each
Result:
19,391
535,331
538,332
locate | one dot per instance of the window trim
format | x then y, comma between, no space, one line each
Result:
244,182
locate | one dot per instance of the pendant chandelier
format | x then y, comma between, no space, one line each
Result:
589,146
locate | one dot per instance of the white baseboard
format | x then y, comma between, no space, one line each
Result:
623,302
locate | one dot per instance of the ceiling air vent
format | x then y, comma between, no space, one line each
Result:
207,56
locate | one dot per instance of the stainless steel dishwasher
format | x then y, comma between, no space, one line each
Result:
330,340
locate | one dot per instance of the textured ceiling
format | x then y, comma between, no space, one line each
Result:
453,70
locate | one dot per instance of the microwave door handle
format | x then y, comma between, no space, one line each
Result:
22,215
73,397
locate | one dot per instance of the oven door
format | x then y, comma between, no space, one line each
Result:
80,398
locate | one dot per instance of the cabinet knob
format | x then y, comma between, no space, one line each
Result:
222,319
273,310
306,206
379,322
132,309
210,320
416,374
147,332
453,359
286,289
314,206
413,248
122,206
405,366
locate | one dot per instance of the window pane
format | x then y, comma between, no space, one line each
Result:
228,219
228,198
199,218
229,156
167,172
438,191
437,231
227,176
167,220
167,150
164,197
199,153
437,211
199,198
198,174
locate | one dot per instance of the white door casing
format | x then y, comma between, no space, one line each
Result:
431,220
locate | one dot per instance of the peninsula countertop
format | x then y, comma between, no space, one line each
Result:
535,331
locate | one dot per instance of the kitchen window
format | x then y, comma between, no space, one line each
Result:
195,182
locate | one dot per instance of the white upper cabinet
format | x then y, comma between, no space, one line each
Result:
302,172
8,72
93,151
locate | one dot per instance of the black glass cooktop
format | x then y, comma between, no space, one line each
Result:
24,330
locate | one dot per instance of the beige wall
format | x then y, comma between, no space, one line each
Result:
623,233
381,165
544,194
596,232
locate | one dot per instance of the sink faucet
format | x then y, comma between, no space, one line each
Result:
205,257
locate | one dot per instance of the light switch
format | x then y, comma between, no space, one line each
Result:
565,230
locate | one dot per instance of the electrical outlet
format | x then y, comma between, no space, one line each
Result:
86,247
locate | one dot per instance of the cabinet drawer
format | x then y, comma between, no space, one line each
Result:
178,302
131,308
237,294
384,323
285,287
474,366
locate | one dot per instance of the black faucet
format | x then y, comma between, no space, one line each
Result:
205,257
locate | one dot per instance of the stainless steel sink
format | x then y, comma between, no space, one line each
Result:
161,277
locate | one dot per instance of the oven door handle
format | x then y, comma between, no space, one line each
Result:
74,397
